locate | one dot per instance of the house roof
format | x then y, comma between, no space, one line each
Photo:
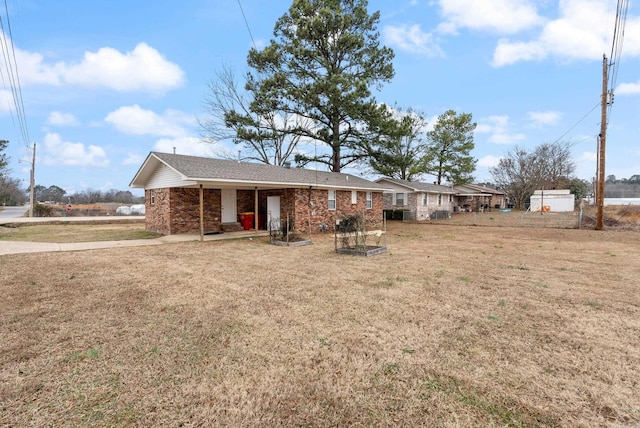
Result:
553,192
194,170
476,190
417,186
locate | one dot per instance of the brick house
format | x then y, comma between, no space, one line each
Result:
189,194
420,201
477,198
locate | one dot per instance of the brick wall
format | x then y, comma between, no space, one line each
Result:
156,217
344,207
310,208
177,210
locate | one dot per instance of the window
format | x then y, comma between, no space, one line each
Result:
369,201
425,199
332,199
399,199
439,199
450,198
354,196
152,196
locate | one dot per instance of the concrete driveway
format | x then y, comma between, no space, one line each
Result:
13,212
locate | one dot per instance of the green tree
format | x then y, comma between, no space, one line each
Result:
53,193
399,147
448,153
322,64
634,179
579,188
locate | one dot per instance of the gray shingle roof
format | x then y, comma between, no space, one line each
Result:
470,189
209,170
418,186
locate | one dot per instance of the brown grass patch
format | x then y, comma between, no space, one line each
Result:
67,232
454,326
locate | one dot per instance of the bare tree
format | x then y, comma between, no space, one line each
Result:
11,191
269,137
520,172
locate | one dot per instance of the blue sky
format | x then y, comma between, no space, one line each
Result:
106,82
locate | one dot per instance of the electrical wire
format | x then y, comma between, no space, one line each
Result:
13,77
622,9
247,24
618,39
577,123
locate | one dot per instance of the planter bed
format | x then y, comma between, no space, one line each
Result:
297,243
369,250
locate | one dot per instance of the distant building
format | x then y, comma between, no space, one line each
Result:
555,200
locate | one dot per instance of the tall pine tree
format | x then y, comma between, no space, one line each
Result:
322,64
448,154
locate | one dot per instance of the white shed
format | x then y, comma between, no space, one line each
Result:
556,200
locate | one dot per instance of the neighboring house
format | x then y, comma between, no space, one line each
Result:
421,200
187,194
477,198
555,200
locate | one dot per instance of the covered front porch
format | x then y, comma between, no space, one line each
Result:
208,210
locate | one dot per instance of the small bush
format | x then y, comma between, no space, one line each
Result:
41,210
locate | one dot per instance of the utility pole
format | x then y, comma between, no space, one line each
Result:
601,150
32,181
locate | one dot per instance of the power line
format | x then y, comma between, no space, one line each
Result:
577,123
622,9
247,24
13,77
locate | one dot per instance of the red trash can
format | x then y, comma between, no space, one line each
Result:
246,219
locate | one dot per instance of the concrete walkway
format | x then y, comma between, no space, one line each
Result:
20,247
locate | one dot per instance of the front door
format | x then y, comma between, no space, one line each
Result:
229,210
273,212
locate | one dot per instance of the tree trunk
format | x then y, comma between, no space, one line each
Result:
335,144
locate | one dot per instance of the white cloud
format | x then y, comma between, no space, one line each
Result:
411,39
498,127
184,146
499,16
582,31
628,88
142,69
588,157
57,118
138,121
64,153
508,53
6,100
586,164
544,118
133,159
488,161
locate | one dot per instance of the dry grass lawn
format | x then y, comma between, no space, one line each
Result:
453,326
67,232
